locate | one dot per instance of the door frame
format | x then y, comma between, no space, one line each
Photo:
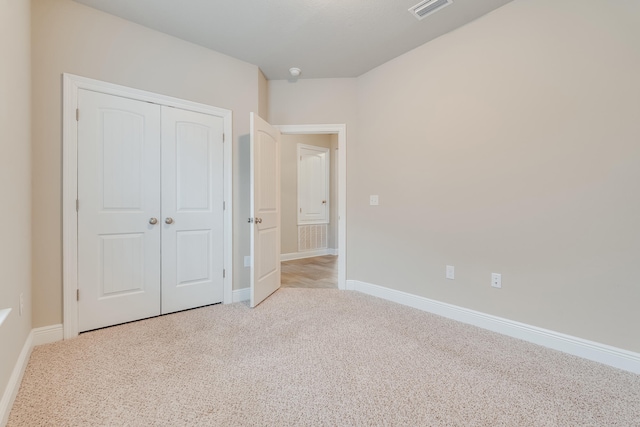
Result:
341,131
70,85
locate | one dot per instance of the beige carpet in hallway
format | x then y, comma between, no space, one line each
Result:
315,357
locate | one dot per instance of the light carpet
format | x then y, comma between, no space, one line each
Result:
315,357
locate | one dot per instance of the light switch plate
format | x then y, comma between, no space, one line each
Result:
451,272
373,200
247,261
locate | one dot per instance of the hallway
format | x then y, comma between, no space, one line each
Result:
318,272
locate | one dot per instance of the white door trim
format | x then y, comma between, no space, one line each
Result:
71,85
341,131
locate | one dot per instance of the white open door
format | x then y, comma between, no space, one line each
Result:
265,209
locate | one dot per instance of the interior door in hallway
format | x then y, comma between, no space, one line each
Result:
119,210
265,208
192,209
313,184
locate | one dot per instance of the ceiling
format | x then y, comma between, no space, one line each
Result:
325,38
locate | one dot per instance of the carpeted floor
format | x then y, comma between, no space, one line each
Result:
313,357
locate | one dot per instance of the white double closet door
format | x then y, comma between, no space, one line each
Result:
150,217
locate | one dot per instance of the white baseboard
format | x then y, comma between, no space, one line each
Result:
11,391
240,295
602,353
47,334
308,254
37,336
4,313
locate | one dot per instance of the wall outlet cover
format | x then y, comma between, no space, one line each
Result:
496,280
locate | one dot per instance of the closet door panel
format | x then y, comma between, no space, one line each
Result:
118,195
192,209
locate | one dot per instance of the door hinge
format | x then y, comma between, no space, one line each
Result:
223,137
77,294
77,114
77,205
224,206
224,273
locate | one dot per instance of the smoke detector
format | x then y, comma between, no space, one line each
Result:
427,7
295,71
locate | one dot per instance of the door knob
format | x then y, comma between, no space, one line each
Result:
169,220
258,220
153,221
324,202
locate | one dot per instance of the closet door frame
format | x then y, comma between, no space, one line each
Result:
71,84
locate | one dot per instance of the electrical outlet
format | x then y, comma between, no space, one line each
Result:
21,304
496,280
451,272
374,200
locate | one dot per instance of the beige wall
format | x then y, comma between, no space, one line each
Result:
314,101
15,181
512,146
289,186
333,238
71,38
263,95
509,146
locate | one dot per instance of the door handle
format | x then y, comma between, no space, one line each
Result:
324,202
153,221
258,220
169,220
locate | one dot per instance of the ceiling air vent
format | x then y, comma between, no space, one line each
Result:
427,7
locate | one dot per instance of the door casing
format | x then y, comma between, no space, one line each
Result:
71,85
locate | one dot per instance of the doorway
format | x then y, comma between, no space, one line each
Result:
325,265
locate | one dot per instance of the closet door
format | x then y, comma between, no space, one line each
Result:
192,209
119,223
